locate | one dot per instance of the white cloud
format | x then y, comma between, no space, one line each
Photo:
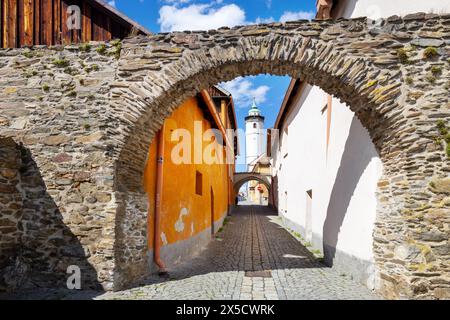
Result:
300,15
263,20
176,2
199,16
244,91
181,15
112,3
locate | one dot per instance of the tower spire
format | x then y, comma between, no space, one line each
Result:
254,106
254,111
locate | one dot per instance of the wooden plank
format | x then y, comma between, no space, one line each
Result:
37,22
57,21
125,32
7,28
20,23
47,22
76,34
107,28
2,6
28,23
11,24
86,28
102,25
44,22
97,26
115,30
66,34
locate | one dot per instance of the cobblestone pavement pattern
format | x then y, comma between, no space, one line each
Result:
253,257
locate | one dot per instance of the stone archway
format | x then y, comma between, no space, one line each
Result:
240,179
89,139
364,65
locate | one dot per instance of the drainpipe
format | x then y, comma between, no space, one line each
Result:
158,200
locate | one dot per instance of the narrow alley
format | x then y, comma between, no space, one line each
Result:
252,257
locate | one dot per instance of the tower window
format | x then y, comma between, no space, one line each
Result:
254,125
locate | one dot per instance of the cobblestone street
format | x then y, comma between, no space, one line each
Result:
253,257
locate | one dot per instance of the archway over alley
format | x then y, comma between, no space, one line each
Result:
241,178
346,58
361,63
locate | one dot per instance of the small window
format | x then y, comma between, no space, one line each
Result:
254,126
198,183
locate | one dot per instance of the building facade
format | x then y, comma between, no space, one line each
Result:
60,22
259,193
194,194
326,159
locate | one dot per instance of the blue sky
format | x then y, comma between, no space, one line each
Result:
176,15
167,15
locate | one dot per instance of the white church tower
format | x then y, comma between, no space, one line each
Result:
254,135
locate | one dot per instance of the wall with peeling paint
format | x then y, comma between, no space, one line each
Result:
186,214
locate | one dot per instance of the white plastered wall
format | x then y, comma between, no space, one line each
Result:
343,179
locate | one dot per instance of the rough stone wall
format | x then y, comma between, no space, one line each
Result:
86,121
132,257
10,206
54,103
